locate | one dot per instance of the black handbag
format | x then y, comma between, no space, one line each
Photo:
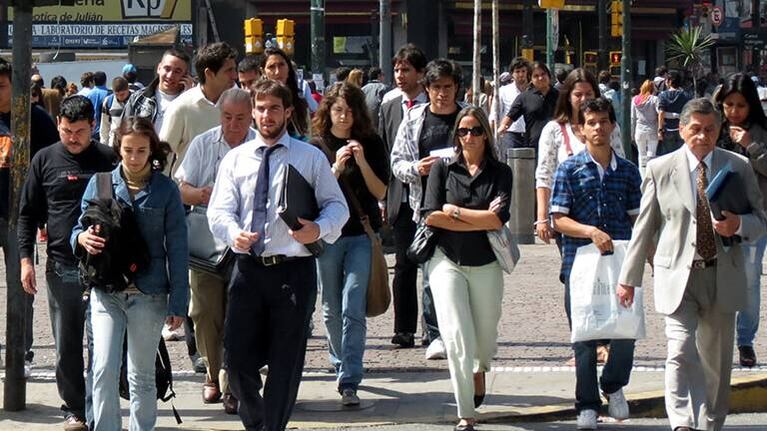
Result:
206,253
424,243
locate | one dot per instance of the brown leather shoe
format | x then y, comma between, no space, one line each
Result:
230,404
210,393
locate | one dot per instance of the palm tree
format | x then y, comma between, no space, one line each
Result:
688,46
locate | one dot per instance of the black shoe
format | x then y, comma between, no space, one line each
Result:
403,339
747,356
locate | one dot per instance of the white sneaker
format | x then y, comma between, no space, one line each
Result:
169,335
436,350
587,420
27,368
617,407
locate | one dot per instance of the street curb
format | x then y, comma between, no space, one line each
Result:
748,395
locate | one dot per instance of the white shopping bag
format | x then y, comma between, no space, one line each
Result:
596,312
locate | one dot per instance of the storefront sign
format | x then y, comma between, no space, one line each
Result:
106,23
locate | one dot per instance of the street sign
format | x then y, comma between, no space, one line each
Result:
717,16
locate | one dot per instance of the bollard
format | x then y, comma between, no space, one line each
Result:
522,208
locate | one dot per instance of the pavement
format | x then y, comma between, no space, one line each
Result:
529,381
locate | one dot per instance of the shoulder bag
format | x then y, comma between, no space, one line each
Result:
378,294
206,253
504,248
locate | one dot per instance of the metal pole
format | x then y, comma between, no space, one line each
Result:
496,72
15,390
477,67
318,36
250,9
626,78
756,58
602,29
384,45
550,39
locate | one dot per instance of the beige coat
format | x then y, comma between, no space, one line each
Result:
666,223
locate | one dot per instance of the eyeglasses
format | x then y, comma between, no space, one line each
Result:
474,131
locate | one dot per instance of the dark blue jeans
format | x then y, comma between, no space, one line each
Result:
67,310
615,374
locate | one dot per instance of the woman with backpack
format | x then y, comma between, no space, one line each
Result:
157,289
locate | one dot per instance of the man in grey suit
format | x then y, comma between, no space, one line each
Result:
409,64
700,283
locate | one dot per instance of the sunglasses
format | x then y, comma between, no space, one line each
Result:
474,131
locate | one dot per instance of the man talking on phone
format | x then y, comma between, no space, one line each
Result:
172,79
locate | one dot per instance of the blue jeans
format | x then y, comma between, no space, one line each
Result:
142,316
748,318
343,270
615,374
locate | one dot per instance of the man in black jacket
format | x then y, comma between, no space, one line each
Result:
52,192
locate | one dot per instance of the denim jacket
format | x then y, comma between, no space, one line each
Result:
160,217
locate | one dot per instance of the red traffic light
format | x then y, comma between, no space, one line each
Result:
615,57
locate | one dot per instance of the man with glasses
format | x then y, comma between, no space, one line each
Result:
423,137
52,192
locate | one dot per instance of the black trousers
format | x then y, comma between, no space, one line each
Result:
267,319
405,274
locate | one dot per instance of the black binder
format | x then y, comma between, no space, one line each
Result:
727,192
296,201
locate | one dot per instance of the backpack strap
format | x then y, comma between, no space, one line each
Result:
566,137
104,186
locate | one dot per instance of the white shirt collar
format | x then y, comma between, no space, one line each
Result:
613,161
693,161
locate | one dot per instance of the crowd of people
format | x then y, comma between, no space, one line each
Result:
412,158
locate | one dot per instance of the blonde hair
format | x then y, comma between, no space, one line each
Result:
646,90
355,77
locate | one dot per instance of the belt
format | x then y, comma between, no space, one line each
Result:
703,264
273,260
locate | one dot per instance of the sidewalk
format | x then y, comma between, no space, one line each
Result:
514,395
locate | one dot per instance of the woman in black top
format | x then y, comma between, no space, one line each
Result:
344,131
466,197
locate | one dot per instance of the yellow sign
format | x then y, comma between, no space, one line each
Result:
339,45
114,10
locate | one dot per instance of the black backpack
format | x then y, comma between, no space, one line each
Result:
125,252
163,374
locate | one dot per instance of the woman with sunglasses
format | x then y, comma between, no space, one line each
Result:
745,132
467,196
344,131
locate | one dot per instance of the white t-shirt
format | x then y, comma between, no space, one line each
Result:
163,100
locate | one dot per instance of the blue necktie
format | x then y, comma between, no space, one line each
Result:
262,196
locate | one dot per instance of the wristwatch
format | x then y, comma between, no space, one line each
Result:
457,213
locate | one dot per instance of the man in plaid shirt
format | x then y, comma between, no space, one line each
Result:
596,199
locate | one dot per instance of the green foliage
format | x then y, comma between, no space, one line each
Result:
688,45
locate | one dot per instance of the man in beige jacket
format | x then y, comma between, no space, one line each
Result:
700,283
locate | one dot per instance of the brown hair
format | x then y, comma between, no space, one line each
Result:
268,87
355,77
563,112
362,127
646,90
481,117
158,150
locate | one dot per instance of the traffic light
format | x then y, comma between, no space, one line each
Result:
286,35
615,58
254,36
616,27
590,58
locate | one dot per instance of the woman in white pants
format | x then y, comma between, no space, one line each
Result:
644,123
466,196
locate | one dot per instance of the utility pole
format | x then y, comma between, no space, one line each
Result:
550,39
384,43
756,22
250,9
318,36
15,390
626,78
603,27
477,66
496,72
